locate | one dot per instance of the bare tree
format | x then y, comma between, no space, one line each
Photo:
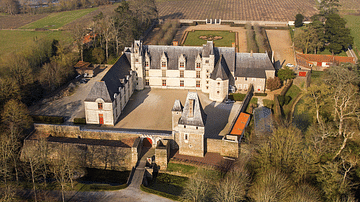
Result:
31,155
198,188
78,32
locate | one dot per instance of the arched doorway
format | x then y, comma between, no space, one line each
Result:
147,142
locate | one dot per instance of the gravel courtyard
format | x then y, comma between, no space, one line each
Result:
151,109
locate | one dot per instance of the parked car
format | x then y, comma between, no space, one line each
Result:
290,65
228,101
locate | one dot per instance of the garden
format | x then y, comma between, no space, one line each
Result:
220,38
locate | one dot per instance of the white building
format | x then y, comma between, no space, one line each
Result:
213,70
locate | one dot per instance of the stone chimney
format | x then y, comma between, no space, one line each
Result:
175,43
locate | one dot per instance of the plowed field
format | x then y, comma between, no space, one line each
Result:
259,10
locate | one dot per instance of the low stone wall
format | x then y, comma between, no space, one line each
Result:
230,148
213,145
56,128
88,155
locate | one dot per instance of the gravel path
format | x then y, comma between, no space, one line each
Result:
281,44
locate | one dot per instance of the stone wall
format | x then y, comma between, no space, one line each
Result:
135,151
230,148
162,154
56,128
88,155
213,145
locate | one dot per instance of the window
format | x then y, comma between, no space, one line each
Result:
163,82
207,82
147,82
136,60
163,64
100,106
197,84
245,78
163,73
146,63
218,83
206,61
198,74
253,79
181,73
186,137
207,87
207,71
198,65
181,83
207,76
218,92
146,72
182,64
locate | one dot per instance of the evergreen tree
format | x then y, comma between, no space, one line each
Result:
336,34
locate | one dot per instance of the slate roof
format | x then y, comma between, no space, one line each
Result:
221,70
199,116
172,53
110,83
177,106
228,54
252,66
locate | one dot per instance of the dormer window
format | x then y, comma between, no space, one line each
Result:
182,61
147,64
163,64
198,65
182,64
163,60
100,105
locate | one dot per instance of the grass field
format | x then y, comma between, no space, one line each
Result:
293,92
16,40
193,39
353,22
57,20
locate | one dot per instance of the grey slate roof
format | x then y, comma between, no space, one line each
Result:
199,116
110,83
172,53
252,66
228,54
177,106
220,70
208,49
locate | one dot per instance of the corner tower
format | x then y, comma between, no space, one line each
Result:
191,127
219,82
137,64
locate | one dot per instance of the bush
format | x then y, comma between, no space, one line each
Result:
260,94
48,119
268,103
250,38
284,100
273,83
260,39
79,121
237,96
299,20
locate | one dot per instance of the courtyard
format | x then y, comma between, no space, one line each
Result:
151,109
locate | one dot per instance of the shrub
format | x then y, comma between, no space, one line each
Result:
299,20
79,121
268,103
237,96
260,39
260,94
48,119
284,100
273,83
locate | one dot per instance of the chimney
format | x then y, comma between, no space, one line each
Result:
175,43
251,53
233,44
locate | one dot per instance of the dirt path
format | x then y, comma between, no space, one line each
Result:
281,44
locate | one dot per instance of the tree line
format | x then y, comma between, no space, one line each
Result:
326,31
319,162
111,33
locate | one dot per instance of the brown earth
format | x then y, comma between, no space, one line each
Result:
259,10
281,44
16,21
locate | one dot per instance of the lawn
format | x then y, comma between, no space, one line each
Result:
353,22
315,75
193,39
181,168
293,92
57,20
15,40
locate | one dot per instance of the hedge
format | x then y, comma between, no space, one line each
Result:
152,191
48,119
79,121
268,103
260,94
286,88
284,100
237,96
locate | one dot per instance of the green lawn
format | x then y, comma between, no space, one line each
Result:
293,92
193,39
181,168
353,22
169,184
57,20
15,40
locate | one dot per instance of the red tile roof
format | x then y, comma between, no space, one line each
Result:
82,65
240,124
326,58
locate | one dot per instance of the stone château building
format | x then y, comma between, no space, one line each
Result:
213,70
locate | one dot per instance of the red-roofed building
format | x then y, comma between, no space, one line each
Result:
321,62
240,124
